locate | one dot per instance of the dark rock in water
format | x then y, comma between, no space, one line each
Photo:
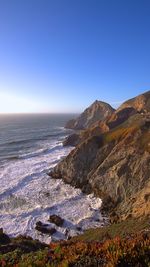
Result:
56,220
66,232
39,223
44,228
79,228
72,140
4,239
69,237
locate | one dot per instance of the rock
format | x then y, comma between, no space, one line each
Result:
79,228
108,204
120,116
72,140
114,218
97,111
56,220
39,223
141,103
115,164
66,232
4,239
44,228
70,124
101,126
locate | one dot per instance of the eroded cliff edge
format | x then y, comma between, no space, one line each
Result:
99,110
113,160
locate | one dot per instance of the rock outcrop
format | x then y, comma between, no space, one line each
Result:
140,103
56,220
103,125
44,228
4,239
100,127
97,111
72,140
115,163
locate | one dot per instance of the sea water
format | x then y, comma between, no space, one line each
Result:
30,146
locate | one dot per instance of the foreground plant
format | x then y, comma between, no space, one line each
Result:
133,250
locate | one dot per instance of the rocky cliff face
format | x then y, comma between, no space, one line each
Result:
97,111
140,103
115,163
101,126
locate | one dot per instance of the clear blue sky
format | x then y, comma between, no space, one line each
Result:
61,55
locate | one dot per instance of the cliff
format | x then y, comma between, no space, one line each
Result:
97,111
109,121
115,163
112,159
140,103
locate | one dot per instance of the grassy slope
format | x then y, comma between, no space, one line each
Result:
122,229
126,243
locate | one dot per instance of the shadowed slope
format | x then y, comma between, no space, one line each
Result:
114,164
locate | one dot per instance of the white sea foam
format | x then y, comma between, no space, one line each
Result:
28,195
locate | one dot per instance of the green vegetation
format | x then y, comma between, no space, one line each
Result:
122,229
130,251
121,245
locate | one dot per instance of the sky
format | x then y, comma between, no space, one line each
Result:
61,55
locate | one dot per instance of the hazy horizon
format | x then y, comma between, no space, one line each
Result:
59,56
36,113
114,105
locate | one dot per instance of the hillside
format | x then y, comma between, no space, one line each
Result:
97,111
140,103
97,247
133,106
115,164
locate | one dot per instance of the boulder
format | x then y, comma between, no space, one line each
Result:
4,239
44,228
56,220
79,228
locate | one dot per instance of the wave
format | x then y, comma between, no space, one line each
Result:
10,158
35,153
28,194
24,141
40,152
40,138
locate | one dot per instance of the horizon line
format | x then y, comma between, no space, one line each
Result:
38,113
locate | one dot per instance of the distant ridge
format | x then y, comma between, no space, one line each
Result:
140,103
97,111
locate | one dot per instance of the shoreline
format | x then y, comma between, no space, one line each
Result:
95,220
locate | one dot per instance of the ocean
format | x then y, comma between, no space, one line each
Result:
30,146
